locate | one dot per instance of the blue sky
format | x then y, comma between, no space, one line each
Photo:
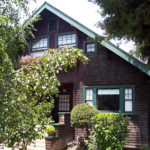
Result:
84,12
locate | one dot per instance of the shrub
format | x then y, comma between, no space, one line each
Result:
81,116
50,129
109,132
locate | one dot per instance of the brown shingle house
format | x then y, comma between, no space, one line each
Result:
111,81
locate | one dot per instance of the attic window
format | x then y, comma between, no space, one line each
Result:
40,44
66,40
52,25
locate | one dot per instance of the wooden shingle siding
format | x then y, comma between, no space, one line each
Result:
104,69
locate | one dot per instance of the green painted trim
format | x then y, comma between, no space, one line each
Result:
111,86
93,35
63,113
65,17
51,137
84,93
65,33
133,95
121,105
122,99
135,62
95,97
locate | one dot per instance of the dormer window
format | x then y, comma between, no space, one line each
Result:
40,44
66,40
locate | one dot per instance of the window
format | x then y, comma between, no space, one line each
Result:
66,40
40,44
128,100
90,47
89,96
110,98
64,102
52,25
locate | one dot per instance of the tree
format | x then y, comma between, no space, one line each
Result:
26,89
128,19
29,100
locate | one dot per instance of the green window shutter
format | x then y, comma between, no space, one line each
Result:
122,100
84,94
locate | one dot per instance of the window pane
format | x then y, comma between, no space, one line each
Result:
128,94
89,94
64,102
40,44
90,102
67,40
128,106
108,102
90,47
108,99
108,92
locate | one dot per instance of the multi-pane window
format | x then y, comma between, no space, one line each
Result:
89,96
128,100
111,98
90,47
64,102
40,44
108,99
66,40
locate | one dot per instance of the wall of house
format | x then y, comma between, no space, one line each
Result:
105,68
103,71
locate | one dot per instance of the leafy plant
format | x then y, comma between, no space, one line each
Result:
127,19
81,116
26,104
50,129
145,147
109,132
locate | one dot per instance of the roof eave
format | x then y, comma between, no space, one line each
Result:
129,58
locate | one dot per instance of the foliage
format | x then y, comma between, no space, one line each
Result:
145,147
29,99
127,19
109,132
81,116
50,129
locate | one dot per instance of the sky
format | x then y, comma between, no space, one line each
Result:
84,12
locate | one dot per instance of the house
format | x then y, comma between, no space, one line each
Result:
112,80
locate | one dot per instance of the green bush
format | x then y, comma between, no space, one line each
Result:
81,115
50,129
109,132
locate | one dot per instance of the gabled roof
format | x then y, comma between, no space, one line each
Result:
127,57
